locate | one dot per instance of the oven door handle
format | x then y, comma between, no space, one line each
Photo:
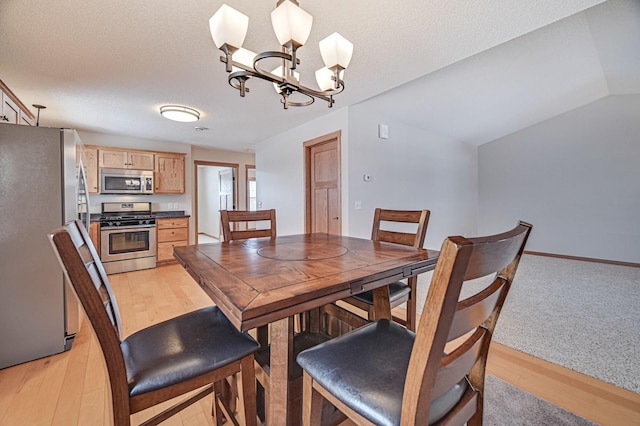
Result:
125,228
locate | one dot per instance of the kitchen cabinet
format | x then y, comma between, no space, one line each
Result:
90,162
169,175
120,159
13,110
94,234
171,232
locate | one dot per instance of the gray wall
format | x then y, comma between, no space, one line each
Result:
575,177
411,170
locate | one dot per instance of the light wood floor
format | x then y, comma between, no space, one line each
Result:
71,388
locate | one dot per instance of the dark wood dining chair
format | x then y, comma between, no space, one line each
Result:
195,351
399,291
428,382
231,218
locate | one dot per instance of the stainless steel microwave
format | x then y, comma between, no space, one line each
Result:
124,181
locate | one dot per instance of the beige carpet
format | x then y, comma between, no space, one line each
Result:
584,316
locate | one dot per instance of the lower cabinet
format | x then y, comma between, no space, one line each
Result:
94,234
172,232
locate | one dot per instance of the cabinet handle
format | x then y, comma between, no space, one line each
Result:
4,118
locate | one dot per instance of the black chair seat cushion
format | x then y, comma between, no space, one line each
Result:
182,348
397,290
366,370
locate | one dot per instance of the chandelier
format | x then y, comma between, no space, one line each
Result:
292,26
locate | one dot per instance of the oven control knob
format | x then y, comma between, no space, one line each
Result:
117,223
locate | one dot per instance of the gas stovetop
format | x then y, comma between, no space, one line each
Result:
127,220
126,214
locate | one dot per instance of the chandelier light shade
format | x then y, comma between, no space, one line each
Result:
228,28
179,113
244,56
325,80
292,27
336,52
291,24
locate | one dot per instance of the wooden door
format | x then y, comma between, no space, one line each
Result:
324,195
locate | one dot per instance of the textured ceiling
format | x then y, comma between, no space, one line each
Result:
477,69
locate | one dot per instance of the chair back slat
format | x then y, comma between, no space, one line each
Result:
415,239
491,255
474,311
230,219
444,318
457,364
83,268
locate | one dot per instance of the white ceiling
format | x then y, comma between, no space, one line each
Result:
477,70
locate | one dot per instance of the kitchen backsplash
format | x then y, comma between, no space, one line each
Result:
158,202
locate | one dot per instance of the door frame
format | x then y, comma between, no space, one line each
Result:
308,145
197,163
247,167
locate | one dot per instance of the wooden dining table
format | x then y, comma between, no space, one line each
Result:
268,281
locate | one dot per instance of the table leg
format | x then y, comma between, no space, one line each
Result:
280,363
381,303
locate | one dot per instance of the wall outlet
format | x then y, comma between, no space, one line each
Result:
358,205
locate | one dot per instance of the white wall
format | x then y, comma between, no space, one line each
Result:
209,200
280,171
413,169
575,177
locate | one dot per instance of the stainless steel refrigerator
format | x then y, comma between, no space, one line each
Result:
41,188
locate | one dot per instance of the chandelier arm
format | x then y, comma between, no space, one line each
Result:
269,55
287,103
326,94
238,79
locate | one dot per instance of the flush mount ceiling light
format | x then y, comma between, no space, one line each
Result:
292,26
179,113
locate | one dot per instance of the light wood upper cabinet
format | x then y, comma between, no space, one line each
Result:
141,160
117,159
90,162
169,176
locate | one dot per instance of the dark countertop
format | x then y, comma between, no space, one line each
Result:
95,217
170,213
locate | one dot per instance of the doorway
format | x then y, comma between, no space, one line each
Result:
215,189
323,212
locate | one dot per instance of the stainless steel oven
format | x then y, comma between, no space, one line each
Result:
127,237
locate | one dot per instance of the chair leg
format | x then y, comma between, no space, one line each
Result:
216,409
311,403
411,303
247,392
